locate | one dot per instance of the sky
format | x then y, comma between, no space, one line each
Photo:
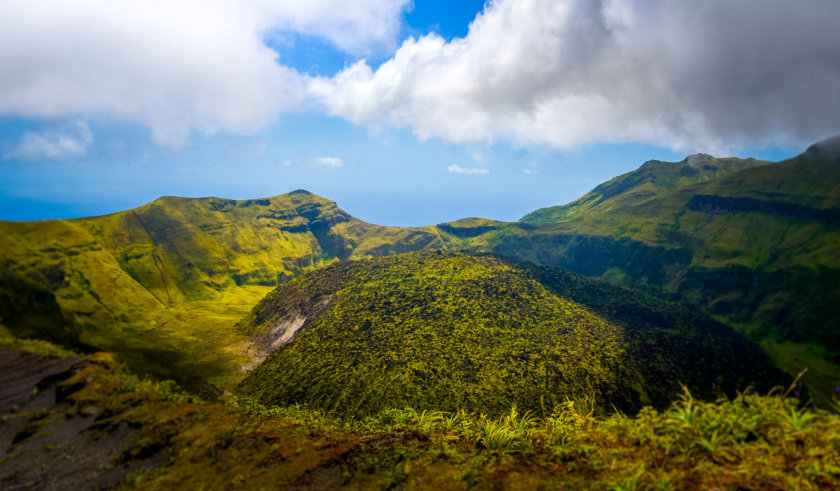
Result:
405,113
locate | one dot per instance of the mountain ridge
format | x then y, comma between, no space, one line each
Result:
750,242
179,271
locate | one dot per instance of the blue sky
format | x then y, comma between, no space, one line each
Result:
395,126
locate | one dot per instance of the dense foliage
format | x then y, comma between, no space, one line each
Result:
668,342
449,331
440,330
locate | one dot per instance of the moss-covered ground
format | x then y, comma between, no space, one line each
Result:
436,330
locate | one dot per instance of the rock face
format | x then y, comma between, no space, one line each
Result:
28,381
283,332
44,428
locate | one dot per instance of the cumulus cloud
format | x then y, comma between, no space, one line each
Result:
694,76
172,66
72,140
457,169
329,162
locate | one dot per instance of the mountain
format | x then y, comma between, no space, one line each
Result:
756,244
163,284
651,179
434,330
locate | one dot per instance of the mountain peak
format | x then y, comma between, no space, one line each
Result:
828,148
698,160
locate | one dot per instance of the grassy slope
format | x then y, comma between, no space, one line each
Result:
448,331
650,180
174,441
162,285
772,217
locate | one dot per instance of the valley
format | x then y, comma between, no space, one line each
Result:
680,282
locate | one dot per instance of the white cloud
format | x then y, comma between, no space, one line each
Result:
690,75
329,162
174,66
457,169
72,140
529,171
359,27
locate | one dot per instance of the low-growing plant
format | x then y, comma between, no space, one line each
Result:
685,410
497,438
798,419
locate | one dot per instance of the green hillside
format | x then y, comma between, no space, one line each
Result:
163,284
651,179
446,331
755,244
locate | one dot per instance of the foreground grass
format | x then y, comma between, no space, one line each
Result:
749,442
752,441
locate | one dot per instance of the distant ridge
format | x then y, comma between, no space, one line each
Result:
828,148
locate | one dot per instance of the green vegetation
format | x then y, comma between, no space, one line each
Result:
34,346
651,179
436,330
750,441
165,440
752,243
668,341
162,285
509,372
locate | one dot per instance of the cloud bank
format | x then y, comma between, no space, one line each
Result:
173,66
694,76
